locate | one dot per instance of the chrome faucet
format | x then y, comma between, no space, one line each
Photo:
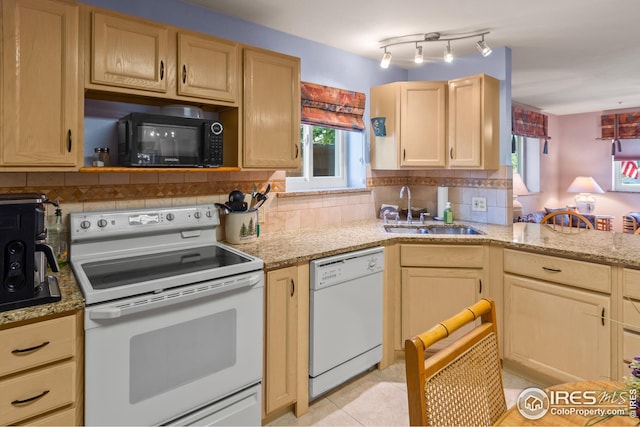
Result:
409,218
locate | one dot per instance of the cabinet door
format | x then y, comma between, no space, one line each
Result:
280,338
431,295
271,110
465,142
40,90
556,330
130,53
207,68
422,124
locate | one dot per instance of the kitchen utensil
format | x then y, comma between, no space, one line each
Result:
236,196
225,208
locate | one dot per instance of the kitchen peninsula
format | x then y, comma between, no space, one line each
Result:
573,284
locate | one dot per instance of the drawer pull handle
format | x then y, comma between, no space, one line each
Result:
31,399
552,270
27,350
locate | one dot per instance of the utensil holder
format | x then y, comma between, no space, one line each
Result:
241,227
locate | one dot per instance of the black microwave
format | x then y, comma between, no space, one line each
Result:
152,140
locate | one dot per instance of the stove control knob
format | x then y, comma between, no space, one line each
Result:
197,214
170,217
102,223
85,224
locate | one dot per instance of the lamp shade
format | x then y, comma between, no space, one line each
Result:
584,184
519,187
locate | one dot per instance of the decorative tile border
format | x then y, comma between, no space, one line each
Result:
497,183
98,193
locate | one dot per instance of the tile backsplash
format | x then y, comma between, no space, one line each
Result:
78,191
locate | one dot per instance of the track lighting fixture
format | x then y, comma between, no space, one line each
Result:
448,55
418,39
418,58
386,59
483,48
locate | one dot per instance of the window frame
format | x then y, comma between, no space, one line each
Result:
309,182
617,184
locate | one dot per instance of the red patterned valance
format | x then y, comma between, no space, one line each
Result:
628,126
332,107
529,123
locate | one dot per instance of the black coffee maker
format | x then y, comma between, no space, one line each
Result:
25,254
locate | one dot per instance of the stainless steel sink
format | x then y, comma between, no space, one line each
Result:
407,229
453,229
431,229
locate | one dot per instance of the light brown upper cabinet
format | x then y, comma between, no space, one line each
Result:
415,125
271,137
474,133
40,94
134,56
431,125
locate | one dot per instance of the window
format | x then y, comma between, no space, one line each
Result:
625,166
526,161
324,158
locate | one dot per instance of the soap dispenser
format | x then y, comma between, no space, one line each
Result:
448,214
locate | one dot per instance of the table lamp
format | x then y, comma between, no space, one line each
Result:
584,186
519,189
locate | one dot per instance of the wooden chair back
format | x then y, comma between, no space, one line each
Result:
460,384
567,220
630,224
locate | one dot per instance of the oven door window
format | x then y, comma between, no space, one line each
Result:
159,362
126,271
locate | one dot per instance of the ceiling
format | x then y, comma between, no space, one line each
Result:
568,56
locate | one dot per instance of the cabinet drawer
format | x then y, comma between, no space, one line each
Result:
465,256
580,274
632,283
55,385
36,344
66,417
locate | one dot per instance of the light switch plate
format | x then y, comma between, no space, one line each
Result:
479,204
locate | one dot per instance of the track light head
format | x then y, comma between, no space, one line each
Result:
483,48
418,58
448,54
386,59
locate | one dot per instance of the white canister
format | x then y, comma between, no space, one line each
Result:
241,227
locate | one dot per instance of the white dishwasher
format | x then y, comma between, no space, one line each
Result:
345,325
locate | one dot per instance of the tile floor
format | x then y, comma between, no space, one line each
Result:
378,398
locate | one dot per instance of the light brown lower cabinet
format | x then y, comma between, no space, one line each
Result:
437,282
558,331
41,372
286,340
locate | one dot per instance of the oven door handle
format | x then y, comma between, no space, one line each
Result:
173,296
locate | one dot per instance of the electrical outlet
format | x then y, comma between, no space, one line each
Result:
479,204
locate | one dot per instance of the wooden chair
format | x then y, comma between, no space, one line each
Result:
462,383
630,223
567,220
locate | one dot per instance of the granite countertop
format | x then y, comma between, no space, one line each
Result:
72,300
279,250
